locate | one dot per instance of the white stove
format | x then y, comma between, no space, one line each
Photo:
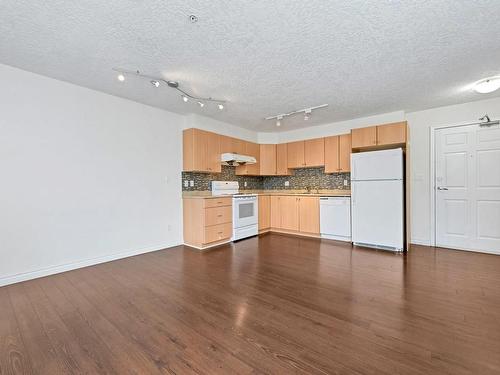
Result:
245,209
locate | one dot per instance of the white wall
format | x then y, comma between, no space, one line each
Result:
420,124
85,177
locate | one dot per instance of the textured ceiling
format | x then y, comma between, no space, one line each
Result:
263,57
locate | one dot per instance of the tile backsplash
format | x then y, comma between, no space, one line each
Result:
304,178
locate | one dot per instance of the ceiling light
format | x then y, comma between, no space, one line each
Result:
121,77
307,114
201,104
155,83
278,120
221,106
185,98
487,85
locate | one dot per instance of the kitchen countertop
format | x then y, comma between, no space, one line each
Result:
207,194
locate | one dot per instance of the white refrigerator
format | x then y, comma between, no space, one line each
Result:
377,199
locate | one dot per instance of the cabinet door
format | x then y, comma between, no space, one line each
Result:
267,160
264,212
345,150
232,145
289,206
282,160
390,134
295,154
275,211
309,214
251,149
314,152
332,154
364,137
212,160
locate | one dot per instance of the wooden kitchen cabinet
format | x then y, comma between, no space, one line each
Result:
364,137
207,222
308,214
201,151
295,154
282,160
231,145
314,152
390,134
289,212
380,136
338,153
267,160
275,211
251,149
264,212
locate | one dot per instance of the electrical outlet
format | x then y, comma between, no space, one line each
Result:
345,182
186,183
287,183
245,184
191,183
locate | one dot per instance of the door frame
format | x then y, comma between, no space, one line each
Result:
432,188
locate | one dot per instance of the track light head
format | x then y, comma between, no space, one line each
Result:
221,106
121,77
185,98
155,83
173,84
201,104
307,114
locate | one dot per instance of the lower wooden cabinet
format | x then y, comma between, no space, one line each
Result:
293,213
207,222
264,212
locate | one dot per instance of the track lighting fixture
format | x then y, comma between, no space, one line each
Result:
307,114
278,120
157,82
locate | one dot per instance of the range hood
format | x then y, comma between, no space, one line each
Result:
236,159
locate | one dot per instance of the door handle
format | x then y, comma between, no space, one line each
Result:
442,188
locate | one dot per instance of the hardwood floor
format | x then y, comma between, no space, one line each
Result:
275,304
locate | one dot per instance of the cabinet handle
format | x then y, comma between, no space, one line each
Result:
219,232
219,215
220,202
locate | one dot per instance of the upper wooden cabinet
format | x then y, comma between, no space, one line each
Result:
390,134
267,160
251,149
282,160
364,137
232,145
295,154
338,153
201,151
309,153
314,152
379,136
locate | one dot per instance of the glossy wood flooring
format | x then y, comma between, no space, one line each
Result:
274,304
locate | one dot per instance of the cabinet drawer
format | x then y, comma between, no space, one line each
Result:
218,232
217,202
218,215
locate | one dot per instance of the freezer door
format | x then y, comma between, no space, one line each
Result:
377,214
377,165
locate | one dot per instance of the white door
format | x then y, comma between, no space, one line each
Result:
467,188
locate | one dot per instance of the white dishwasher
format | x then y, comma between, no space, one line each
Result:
335,218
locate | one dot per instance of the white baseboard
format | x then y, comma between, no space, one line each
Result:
80,264
416,241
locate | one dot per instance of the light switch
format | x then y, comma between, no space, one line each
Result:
287,183
186,183
245,184
345,182
191,183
